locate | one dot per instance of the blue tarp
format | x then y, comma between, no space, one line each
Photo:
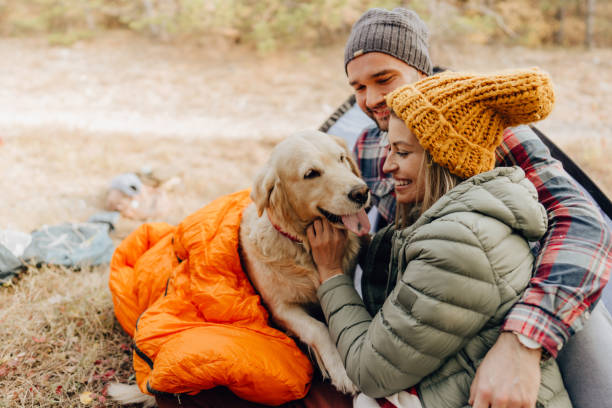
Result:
9,264
71,244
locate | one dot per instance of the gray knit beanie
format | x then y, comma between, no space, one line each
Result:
399,33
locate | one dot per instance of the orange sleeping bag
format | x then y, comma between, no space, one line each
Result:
197,323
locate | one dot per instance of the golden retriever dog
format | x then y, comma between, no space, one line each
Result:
309,175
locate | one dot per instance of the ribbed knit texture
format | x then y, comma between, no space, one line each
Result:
399,33
459,118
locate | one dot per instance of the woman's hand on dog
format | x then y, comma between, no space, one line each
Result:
327,244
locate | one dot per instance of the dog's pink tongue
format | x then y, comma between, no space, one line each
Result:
358,223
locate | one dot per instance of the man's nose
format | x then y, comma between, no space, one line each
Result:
374,98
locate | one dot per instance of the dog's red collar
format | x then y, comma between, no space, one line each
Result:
284,233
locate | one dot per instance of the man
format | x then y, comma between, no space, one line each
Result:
387,49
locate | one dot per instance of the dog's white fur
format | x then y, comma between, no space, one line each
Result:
305,173
130,394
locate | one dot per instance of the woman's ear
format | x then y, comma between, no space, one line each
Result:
263,187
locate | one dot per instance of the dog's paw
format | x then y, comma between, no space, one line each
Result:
344,384
334,371
340,379
130,394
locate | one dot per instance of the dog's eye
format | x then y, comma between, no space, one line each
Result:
312,173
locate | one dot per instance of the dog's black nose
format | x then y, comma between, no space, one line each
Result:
360,194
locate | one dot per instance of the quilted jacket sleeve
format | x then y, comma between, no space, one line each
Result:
446,294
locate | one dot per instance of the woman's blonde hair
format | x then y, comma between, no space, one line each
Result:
438,181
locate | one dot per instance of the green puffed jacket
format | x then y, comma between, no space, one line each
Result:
458,270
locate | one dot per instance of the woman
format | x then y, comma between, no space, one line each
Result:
440,280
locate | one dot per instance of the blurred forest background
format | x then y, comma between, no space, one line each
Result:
269,24
197,92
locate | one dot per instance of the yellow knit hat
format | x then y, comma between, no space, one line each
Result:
459,118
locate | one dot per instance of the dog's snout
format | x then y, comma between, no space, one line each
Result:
360,194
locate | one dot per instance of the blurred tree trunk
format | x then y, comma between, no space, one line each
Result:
150,13
559,34
590,12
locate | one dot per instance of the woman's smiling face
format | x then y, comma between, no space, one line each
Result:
404,162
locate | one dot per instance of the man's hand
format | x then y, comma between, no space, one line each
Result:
508,377
327,244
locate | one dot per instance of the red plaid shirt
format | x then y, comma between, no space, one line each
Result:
574,258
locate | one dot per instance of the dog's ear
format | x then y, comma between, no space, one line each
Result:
263,187
353,165
340,141
349,154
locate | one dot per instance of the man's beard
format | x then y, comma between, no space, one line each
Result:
381,122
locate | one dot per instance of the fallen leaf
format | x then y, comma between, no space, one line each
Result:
42,339
86,398
109,374
58,390
56,299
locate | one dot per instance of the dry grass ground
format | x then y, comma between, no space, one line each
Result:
59,339
73,118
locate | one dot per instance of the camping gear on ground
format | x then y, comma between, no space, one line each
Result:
12,245
109,218
134,199
10,265
128,183
15,241
71,244
68,244
81,244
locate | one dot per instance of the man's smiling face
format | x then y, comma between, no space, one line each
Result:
372,76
